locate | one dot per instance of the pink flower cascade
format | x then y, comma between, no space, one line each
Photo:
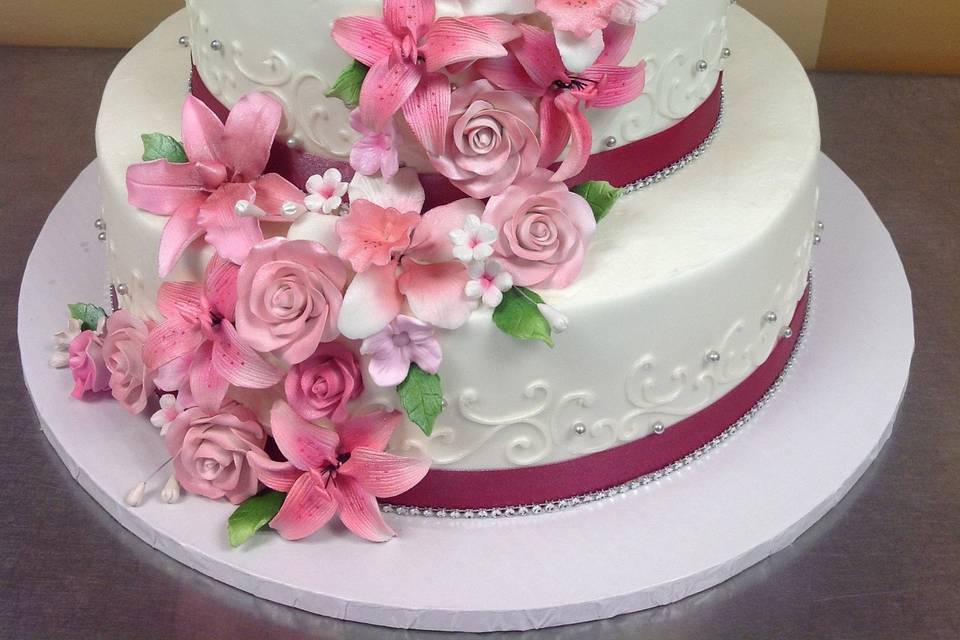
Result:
406,50
199,333
209,451
226,164
330,471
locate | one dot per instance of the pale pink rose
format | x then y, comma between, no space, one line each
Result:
371,235
542,231
130,381
209,452
322,385
491,140
87,366
289,298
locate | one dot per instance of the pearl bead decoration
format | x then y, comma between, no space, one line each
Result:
102,236
702,65
771,316
183,41
122,289
610,142
713,356
726,53
100,224
659,428
580,428
216,45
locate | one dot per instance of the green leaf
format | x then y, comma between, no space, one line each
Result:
519,316
601,196
348,85
253,515
159,146
89,315
422,398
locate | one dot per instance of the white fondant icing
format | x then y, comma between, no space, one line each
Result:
284,47
691,265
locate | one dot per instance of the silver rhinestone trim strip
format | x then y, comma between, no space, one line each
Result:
596,496
663,174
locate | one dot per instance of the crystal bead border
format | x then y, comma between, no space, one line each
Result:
655,476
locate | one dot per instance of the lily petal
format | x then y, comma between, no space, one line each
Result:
500,30
249,134
581,138
554,130
435,293
388,84
371,431
240,365
208,387
451,41
578,53
428,110
537,52
273,191
370,303
279,476
202,132
180,300
359,511
230,234
414,16
616,85
431,239
172,339
364,39
306,509
181,230
304,444
162,187
403,192
508,74
385,475
220,286
617,39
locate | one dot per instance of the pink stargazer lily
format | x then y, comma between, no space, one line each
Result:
199,332
535,69
330,471
226,164
406,50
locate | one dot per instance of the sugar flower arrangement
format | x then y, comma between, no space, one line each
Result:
363,279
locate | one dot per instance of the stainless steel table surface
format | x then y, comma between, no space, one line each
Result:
884,564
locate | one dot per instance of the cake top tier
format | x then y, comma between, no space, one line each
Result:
286,47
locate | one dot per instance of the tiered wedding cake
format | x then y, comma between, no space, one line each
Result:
486,257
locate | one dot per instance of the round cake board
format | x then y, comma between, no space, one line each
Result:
744,501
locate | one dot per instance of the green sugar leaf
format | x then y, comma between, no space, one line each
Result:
159,146
519,316
89,315
348,85
421,395
253,515
601,196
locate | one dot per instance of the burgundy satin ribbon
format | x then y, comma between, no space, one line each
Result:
621,166
445,489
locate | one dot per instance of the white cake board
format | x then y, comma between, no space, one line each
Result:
744,501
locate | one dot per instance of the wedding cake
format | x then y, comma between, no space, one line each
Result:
455,258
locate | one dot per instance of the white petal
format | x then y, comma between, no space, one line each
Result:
403,192
503,281
482,251
474,290
171,491
318,228
60,360
332,204
314,202
314,184
159,419
493,297
477,269
463,254
487,233
459,237
135,497
168,401
579,53
332,176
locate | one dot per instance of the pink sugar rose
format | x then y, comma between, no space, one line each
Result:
209,452
542,231
322,385
290,293
130,381
491,140
87,366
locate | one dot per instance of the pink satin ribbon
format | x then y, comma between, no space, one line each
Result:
445,489
621,166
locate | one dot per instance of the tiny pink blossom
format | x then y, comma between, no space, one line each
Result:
474,242
130,381
371,235
89,371
340,471
166,414
403,342
488,283
376,151
326,192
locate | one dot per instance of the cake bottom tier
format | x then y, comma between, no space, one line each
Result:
686,291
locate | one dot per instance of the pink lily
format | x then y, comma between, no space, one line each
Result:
535,69
226,164
406,50
401,257
199,329
329,471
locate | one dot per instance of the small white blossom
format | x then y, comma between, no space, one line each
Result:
473,243
60,359
62,339
171,490
488,282
168,413
326,192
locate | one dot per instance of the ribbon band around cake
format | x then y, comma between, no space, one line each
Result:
621,166
443,489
